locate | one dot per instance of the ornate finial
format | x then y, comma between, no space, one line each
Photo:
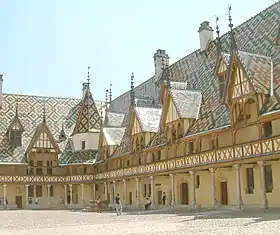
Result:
106,98
88,74
233,43
101,111
110,93
16,106
44,112
217,28
132,94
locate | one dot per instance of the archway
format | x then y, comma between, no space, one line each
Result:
184,193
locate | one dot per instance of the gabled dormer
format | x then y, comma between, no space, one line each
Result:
15,131
43,140
249,84
143,125
180,110
110,139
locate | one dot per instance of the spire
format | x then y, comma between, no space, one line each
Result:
44,112
232,38
106,101
132,93
219,44
101,112
16,115
88,75
110,93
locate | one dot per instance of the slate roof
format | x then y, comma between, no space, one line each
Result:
149,118
114,119
113,135
258,70
30,113
256,40
186,102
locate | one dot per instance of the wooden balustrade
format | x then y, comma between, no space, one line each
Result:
253,149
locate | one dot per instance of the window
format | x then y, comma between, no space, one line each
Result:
31,163
83,145
268,178
39,171
40,163
49,171
250,180
139,161
51,191
39,191
30,191
190,147
267,130
147,190
15,137
127,163
197,181
84,170
31,171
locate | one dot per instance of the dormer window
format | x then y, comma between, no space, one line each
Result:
83,145
15,137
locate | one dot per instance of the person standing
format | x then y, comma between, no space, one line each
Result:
118,204
98,203
163,198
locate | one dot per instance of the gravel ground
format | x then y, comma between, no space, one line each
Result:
207,222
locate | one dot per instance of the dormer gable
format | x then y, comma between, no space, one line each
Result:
248,74
43,140
15,131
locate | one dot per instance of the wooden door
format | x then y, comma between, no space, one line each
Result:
224,193
19,201
159,197
130,198
184,194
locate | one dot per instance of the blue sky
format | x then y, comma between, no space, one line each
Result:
47,45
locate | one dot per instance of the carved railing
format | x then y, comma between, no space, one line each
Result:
237,152
47,179
253,149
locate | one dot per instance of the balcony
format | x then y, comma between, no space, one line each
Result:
264,147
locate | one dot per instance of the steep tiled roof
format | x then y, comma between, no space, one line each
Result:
30,110
88,115
112,135
114,119
258,69
79,157
148,118
187,102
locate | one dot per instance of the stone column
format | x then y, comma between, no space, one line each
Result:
71,194
106,191
239,202
5,194
137,192
115,190
152,191
49,194
172,190
214,196
94,191
124,191
26,196
82,194
65,194
192,173
264,202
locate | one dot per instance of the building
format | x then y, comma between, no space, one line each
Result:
204,131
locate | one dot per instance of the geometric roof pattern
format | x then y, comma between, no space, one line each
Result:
88,115
113,135
58,111
257,51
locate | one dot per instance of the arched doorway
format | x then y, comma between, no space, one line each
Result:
184,194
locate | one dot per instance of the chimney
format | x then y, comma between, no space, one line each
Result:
1,93
160,59
205,35
85,88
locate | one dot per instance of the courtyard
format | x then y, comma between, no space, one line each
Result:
204,222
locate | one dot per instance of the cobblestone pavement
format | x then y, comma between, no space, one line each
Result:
207,222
